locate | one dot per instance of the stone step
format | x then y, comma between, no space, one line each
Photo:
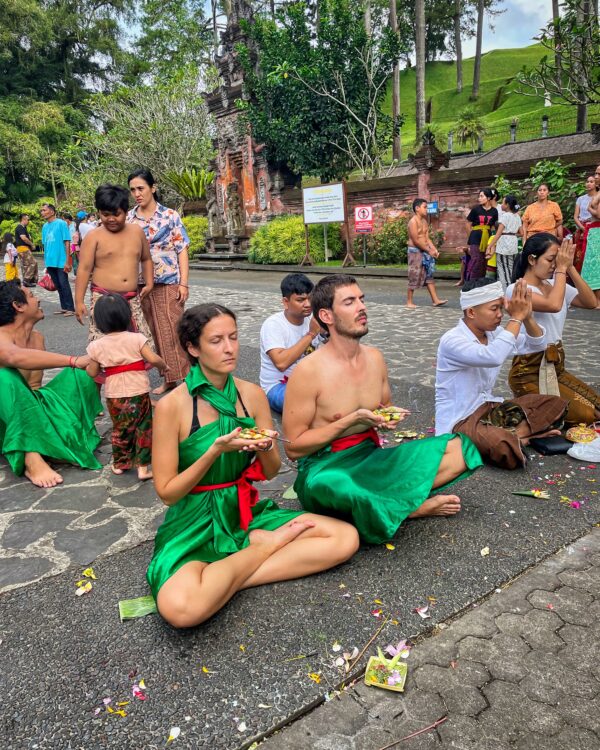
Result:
223,256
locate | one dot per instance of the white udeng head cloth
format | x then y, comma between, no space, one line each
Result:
481,295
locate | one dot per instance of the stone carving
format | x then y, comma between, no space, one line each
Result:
235,213
215,223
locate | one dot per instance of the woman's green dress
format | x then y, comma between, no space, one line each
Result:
376,489
206,526
56,421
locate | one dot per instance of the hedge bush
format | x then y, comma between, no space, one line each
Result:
391,242
196,227
9,218
282,241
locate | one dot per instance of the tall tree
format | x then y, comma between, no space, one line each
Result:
420,63
458,45
477,66
396,142
583,17
556,17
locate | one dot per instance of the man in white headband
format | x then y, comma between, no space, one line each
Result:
468,363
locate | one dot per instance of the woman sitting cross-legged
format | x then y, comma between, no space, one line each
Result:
216,538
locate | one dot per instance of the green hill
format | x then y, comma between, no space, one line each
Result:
497,103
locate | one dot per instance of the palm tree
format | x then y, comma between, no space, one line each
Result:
469,128
396,142
458,46
420,61
477,67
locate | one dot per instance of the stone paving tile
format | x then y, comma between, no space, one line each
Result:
506,679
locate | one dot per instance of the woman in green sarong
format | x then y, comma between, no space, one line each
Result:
216,538
54,421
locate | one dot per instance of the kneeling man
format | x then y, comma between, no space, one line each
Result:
329,417
286,337
52,421
469,359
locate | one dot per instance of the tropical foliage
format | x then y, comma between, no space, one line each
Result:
282,241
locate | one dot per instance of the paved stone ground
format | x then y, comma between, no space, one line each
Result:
519,672
73,651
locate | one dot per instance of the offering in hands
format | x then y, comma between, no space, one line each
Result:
250,433
389,413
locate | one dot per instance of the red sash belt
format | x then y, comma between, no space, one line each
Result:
351,440
101,290
247,493
132,366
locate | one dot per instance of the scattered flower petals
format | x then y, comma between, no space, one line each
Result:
377,601
187,718
315,677
106,701
241,727
484,552
342,586
423,612
340,661
138,693
142,684
377,613
174,734
575,504
389,546
264,705
89,573
401,648
337,646
351,656
85,589
206,670
242,648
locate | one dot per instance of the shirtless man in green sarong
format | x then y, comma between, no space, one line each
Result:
330,419
55,420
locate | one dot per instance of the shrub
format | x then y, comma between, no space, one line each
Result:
469,128
391,242
282,241
196,227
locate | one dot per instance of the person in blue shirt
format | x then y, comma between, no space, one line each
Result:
56,240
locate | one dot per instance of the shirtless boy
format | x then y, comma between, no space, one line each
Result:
342,470
421,256
111,256
53,421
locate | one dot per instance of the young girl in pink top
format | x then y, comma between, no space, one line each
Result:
123,356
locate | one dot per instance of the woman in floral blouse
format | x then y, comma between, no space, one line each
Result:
169,243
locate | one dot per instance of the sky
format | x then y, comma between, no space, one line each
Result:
515,27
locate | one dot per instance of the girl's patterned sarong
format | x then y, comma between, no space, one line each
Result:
524,378
132,431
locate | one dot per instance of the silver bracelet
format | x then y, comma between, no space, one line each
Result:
514,320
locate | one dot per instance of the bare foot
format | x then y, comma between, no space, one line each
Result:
39,473
163,388
440,303
550,433
411,306
116,471
438,505
144,472
281,536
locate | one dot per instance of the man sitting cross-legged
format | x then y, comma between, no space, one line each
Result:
469,359
329,418
55,420
286,337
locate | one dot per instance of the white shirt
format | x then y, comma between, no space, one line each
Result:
85,228
11,253
278,333
553,323
508,244
467,370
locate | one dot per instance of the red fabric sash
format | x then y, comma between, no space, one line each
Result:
139,365
101,290
247,493
351,440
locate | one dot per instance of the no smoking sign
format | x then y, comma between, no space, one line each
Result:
363,219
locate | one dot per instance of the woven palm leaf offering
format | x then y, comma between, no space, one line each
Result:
581,434
389,674
249,433
389,413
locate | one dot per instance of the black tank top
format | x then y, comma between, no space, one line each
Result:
196,422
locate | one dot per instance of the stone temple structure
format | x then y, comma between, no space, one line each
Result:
247,190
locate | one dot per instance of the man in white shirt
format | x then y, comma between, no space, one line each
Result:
286,337
468,363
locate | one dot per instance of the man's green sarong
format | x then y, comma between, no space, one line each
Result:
205,526
56,421
376,489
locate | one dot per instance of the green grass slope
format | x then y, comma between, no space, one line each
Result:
497,104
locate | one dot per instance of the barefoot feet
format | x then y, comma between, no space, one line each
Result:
411,306
144,472
163,388
39,473
281,536
438,505
440,303
116,471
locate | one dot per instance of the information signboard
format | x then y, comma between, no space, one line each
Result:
324,204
